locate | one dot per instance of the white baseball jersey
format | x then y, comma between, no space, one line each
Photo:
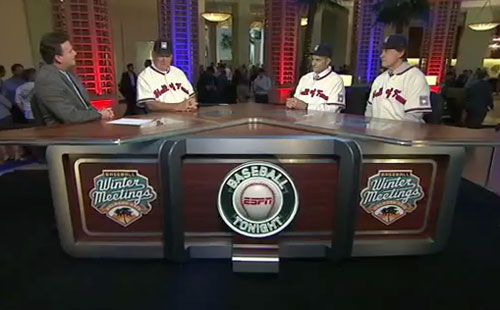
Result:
171,86
322,92
400,95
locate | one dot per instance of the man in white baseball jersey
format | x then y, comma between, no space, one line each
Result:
162,87
322,89
401,92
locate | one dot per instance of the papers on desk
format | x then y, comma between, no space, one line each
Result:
144,122
130,121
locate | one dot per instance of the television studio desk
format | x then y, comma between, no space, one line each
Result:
253,183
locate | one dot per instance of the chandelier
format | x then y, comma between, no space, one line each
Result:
216,12
487,24
216,17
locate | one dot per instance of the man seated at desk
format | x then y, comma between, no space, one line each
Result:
60,96
162,87
401,92
322,89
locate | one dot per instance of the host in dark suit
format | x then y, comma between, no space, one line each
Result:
128,88
60,98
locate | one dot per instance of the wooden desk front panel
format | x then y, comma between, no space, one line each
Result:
316,183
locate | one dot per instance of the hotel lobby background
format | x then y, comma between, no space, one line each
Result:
134,23
36,272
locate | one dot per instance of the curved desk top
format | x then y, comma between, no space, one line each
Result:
276,119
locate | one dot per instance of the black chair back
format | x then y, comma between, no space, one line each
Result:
356,99
437,104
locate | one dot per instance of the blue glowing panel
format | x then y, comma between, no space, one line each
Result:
180,15
179,24
369,36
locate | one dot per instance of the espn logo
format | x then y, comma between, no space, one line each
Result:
257,201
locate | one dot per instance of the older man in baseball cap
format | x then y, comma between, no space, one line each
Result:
401,92
163,87
322,89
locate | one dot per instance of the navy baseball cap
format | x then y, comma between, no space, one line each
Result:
322,50
395,41
162,48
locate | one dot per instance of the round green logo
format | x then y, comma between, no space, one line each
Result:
258,199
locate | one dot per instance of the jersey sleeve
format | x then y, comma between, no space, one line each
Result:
369,103
18,98
333,99
417,95
188,86
299,87
144,92
371,96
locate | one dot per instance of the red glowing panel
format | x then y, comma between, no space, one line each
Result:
435,89
439,38
87,23
282,24
283,94
101,104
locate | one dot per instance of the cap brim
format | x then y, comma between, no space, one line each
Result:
315,54
392,47
163,53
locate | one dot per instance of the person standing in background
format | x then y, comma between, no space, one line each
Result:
128,88
241,84
222,85
2,74
206,87
25,92
478,99
12,151
5,115
9,91
9,86
261,87
5,123
229,73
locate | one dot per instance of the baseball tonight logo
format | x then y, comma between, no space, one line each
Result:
258,199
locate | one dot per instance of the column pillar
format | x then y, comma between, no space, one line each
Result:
201,35
212,42
241,28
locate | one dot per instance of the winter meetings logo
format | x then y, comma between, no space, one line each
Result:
123,195
391,194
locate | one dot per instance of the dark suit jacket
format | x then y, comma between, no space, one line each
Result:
57,100
478,97
126,88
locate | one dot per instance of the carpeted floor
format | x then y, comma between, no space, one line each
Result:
36,274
